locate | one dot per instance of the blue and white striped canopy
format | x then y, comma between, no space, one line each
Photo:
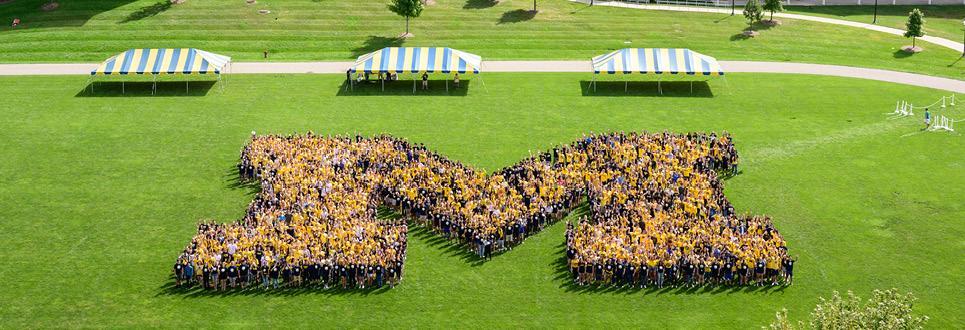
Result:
417,60
159,61
657,61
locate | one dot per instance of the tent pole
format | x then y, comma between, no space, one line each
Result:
122,88
413,84
447,84
154,85
483,82
691,87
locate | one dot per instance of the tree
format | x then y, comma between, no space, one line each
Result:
407,9
885,310
753,12
916,21
772,6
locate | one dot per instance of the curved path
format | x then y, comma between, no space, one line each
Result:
957,46
947,84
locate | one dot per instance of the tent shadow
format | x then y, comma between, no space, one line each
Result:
143,89
646,89
373,43
403,88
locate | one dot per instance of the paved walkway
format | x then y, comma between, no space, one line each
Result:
956,46
953,85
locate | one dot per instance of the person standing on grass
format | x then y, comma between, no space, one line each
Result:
788,271
178,274
927,119
425,80
455,80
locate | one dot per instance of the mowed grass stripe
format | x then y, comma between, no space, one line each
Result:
341,30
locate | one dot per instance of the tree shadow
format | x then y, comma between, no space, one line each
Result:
403,88
148,11
647,88
479,4
69,14
516,16
902,54
739,37
373,43
143,89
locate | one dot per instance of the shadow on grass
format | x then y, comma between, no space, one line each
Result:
403,88
148,11
171,289
934,11
479,4
756,26
647,88
374,43
233,181
902,54
69,14
956,61
516,16
567,282
143,89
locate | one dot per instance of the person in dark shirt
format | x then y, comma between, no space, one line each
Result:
178,274
233,276
297,275
244,275
223,278
788,271
274,274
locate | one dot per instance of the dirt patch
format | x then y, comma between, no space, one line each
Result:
178,2
429,2
50,6
251,2
750,33
771,22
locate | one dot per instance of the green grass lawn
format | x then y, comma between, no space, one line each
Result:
100,193
303,30
940,21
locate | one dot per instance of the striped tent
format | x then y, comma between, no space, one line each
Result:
656,61
417,60
162,61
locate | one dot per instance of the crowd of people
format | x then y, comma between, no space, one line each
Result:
655,200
